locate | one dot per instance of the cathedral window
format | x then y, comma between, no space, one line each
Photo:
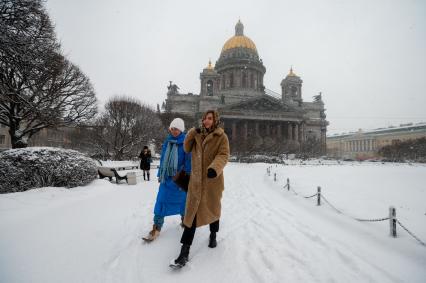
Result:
293,90
210,88
244,80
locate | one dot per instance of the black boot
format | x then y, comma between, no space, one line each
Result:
212,241
147,175
183,256
181,222
144,175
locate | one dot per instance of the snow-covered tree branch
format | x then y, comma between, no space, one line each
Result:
124,126
39,87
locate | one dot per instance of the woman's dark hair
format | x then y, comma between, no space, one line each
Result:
216,118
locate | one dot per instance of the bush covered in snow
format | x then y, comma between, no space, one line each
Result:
34,167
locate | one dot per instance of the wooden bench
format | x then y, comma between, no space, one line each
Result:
128,167
106,172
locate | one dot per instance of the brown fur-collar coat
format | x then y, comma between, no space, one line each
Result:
205,194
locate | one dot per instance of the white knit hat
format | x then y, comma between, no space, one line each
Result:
178,124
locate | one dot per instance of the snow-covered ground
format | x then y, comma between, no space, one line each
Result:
267,233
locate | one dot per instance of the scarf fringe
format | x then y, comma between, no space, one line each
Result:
170,161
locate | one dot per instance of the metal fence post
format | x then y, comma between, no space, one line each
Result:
288,184
319,196
275,177
392,221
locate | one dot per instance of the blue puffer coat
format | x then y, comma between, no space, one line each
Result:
170,199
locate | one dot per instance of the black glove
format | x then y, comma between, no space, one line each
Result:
198,130
211,173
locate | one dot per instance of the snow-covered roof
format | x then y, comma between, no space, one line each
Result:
391,129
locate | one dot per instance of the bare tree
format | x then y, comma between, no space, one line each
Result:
125,125
168,116
39,87
413,150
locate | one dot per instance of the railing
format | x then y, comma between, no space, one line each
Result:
272,93
320,197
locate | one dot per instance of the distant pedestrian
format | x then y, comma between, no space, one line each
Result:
146,161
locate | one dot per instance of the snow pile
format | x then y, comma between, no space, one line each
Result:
26,168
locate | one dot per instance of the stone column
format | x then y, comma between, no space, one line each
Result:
300,132
268,129
296,132
256,127
245,129
279,130
234,130
290,131
324,141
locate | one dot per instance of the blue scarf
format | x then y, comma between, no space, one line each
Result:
170,161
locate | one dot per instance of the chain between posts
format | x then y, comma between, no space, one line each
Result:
411,233
392,213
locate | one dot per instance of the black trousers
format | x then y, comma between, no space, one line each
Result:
188,233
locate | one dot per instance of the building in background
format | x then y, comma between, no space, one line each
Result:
60,137
5,142
253,116
366,144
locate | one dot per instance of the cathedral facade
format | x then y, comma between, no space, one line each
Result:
254,118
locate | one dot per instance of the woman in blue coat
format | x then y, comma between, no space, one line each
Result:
170,199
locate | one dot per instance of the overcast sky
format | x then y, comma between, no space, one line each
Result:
368,58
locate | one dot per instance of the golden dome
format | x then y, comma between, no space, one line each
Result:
292,74
239,41
210,67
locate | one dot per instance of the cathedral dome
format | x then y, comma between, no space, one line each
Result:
239,65
239,40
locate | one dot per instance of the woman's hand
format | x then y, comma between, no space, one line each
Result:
211,173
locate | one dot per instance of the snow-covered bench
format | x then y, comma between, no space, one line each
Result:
127,167
107,172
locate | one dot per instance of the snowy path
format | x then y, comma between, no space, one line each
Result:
267,234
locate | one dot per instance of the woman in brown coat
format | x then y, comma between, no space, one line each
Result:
209,146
